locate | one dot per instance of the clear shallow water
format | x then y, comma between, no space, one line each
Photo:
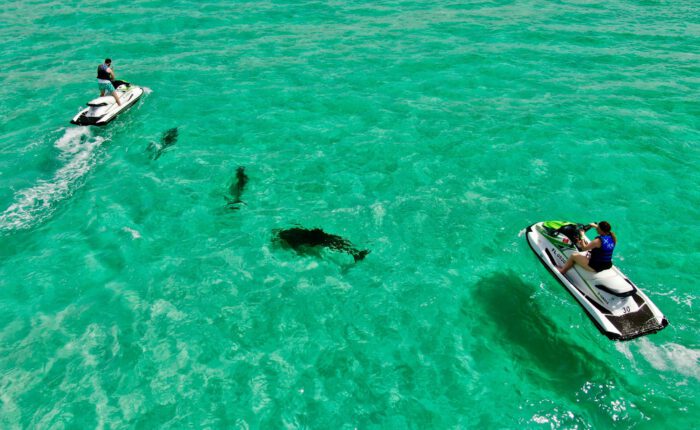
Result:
431,133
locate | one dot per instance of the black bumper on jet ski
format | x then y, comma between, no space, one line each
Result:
87,120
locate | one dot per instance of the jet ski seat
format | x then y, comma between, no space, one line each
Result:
101,101
610,281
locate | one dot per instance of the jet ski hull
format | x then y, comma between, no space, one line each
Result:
619,309
103,110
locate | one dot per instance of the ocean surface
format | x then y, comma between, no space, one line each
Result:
429,132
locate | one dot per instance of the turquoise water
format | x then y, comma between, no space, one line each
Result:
431,132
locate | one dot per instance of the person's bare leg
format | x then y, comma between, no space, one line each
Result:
580,259
116,97
102,93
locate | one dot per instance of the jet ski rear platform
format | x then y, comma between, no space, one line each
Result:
102,110
619,309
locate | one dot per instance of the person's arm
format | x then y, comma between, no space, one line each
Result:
595,243
111,73
585,229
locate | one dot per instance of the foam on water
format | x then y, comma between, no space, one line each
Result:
134,233
77,149
672,357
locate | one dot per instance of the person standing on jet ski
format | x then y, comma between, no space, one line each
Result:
105,76
601,250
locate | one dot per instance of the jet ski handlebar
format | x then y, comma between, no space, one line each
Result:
582,229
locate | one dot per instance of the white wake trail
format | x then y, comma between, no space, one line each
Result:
35,204
671,357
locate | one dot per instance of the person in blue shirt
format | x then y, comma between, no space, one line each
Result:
596,256
105,76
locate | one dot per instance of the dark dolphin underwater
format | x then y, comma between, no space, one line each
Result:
236,188
301,239
168,139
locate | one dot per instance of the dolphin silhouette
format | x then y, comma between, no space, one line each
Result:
299,239
168,139
236,188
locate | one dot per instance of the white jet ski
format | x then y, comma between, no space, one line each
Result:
102,110
619,309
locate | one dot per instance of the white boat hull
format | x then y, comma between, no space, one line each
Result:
619,309
102,110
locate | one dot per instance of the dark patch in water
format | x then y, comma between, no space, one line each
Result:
300,239
236,189
168,139
513,318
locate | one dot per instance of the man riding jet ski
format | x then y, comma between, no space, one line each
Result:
102,110
618,308
105,76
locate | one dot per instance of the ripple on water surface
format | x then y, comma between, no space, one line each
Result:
429,133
